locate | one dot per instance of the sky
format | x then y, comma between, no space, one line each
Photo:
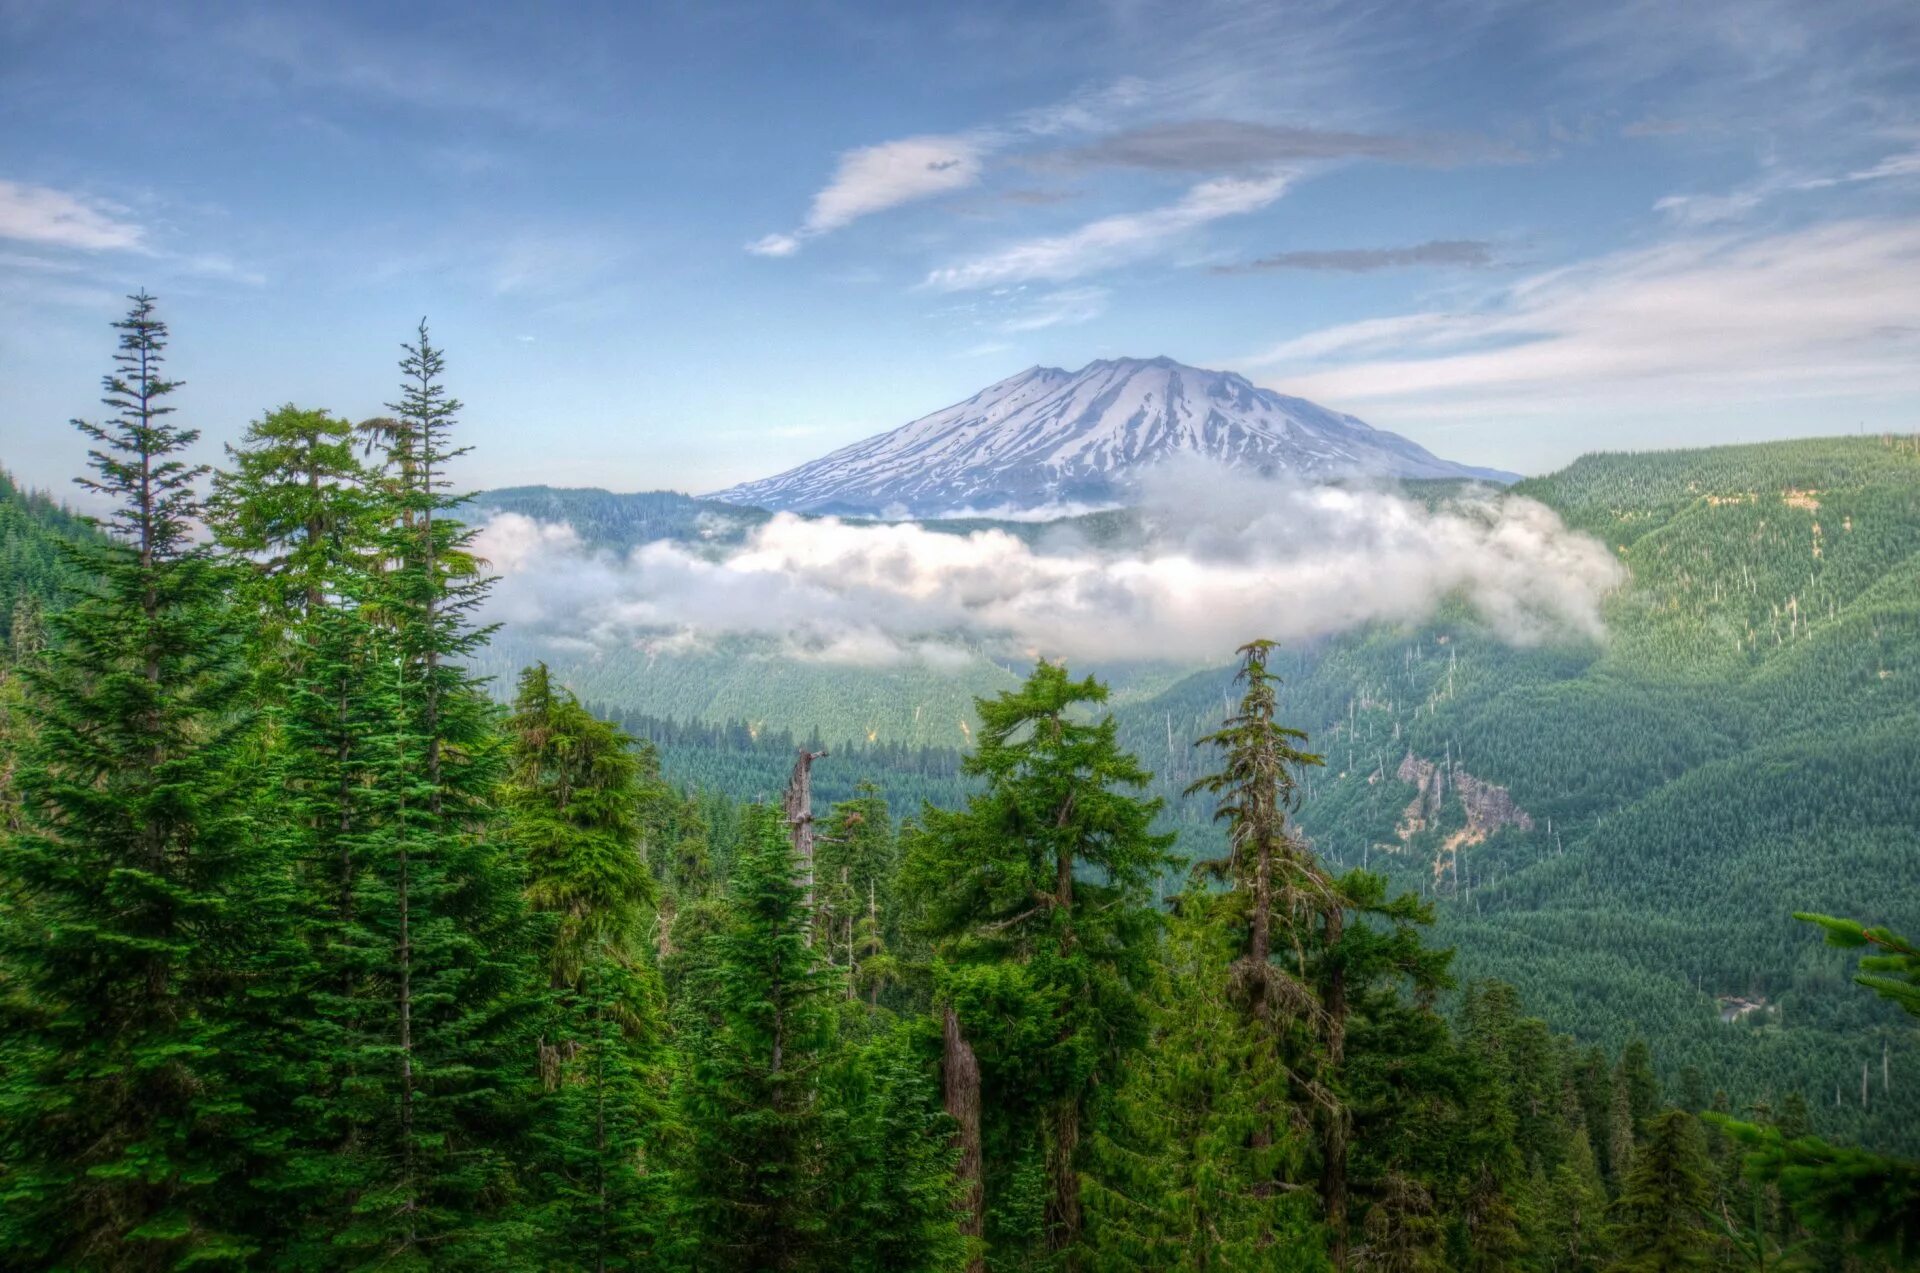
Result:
688,244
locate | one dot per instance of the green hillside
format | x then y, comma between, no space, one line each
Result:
33,571
1746,742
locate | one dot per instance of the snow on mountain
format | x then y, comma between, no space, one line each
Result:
1049,436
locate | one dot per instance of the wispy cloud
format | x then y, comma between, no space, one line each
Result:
1113,240
872,179
54,218
1827,311
1215,145
1064,308
1735,204
1469,253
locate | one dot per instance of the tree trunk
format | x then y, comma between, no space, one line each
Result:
1333,1182
961,1075
799,811
1063,1208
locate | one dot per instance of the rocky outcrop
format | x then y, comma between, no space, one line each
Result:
1488,807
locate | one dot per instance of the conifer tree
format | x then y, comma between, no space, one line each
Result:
1277,889
123,1144
439,1056
754,1178
1660,1213
1194,1168
889,1162
298,513
1573,1221
1037,896
574,798
854,868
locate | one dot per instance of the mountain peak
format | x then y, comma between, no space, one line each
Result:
1048,436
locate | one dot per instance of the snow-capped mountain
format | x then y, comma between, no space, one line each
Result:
1049,436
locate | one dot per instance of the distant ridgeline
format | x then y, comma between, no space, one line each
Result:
1618,829
33,571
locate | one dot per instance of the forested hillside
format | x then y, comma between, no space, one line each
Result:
317,952
1745,740
1749,732
34,572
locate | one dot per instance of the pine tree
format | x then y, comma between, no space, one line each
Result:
1658,1217
1194,1168
574,797
754,1187
1277,890
122,1142
889,1159
298,514
1573,1234
1037,895
855,861
438,1050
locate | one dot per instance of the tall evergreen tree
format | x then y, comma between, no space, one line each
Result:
755,1189
889,1165
123,1143
1198,1163
1660,1213
574,796
298,513
1037,895
438,1059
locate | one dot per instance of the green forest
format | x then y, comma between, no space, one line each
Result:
319,950
1744,741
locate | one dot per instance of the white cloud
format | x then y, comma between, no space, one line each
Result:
774,245
1114,240
871,179
1694,210
1230,556
1064,308
39,214
1831,310
874,178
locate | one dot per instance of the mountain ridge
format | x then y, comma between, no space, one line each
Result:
1047,436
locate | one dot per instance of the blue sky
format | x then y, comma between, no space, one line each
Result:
684,244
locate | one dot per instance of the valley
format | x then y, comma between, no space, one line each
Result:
1618,827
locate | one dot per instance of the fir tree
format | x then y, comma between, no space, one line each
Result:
297,512
1658,1217
889,1159
123,1141
1194,1167
438,1063
1573,1228
1038,892
754,1190
574,796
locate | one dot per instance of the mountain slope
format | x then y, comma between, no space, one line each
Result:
1745,743
34,574
1049,436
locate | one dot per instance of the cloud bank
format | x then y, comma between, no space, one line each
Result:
1225,557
